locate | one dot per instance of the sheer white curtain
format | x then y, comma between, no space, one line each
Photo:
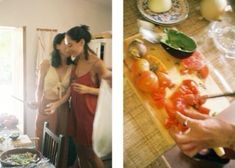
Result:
44,44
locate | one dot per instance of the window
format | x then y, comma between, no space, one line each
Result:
12,73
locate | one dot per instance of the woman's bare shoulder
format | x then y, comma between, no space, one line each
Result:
45,64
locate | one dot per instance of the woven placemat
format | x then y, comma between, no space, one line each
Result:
143,140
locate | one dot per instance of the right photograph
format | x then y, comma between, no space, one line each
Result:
179,83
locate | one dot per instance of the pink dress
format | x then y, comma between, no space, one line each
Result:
83,107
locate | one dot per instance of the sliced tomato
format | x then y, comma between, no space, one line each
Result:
147,81
159,99
183,90
170,108
169,122
184,71
184,97
194,62
190,99
192,85
204,72
180,105
164,80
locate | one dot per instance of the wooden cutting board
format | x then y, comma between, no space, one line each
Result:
154,115
22,141
207,86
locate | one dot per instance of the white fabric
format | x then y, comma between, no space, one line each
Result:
102,128
45,45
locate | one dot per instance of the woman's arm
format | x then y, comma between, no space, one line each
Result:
103,72
44,66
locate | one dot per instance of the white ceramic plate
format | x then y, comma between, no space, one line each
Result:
178,12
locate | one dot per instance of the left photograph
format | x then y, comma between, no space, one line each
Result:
56,84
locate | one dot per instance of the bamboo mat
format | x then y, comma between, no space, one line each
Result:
144,152
142,136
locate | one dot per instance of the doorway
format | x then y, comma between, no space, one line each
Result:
12,73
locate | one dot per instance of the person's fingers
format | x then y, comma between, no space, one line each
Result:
203,99
195,114
179,137
74,84
77,90
192,152
188,147
49,105
187,121
47,110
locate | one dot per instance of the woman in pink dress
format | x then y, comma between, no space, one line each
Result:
85,80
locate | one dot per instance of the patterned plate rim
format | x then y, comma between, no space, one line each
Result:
148,17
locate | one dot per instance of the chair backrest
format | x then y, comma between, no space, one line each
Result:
51,145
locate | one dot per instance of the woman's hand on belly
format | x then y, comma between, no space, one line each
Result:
83,89
51,107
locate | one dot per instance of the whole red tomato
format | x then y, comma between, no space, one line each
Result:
140,65
147,81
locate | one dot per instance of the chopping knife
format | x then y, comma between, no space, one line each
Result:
230,94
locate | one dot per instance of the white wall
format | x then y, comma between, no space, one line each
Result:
53,14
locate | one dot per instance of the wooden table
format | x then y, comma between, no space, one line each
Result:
23,141
222,72
7,144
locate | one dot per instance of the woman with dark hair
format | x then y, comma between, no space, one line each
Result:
53,82
85,81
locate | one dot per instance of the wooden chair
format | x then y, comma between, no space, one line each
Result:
51,145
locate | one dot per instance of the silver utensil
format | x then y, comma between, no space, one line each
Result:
232,94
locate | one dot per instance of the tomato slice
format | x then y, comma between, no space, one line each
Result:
184,97
189,99
191,85
169,122
195,63
204,72
170,109
164,80
159,99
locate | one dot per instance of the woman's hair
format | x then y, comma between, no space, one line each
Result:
55,55
81,32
